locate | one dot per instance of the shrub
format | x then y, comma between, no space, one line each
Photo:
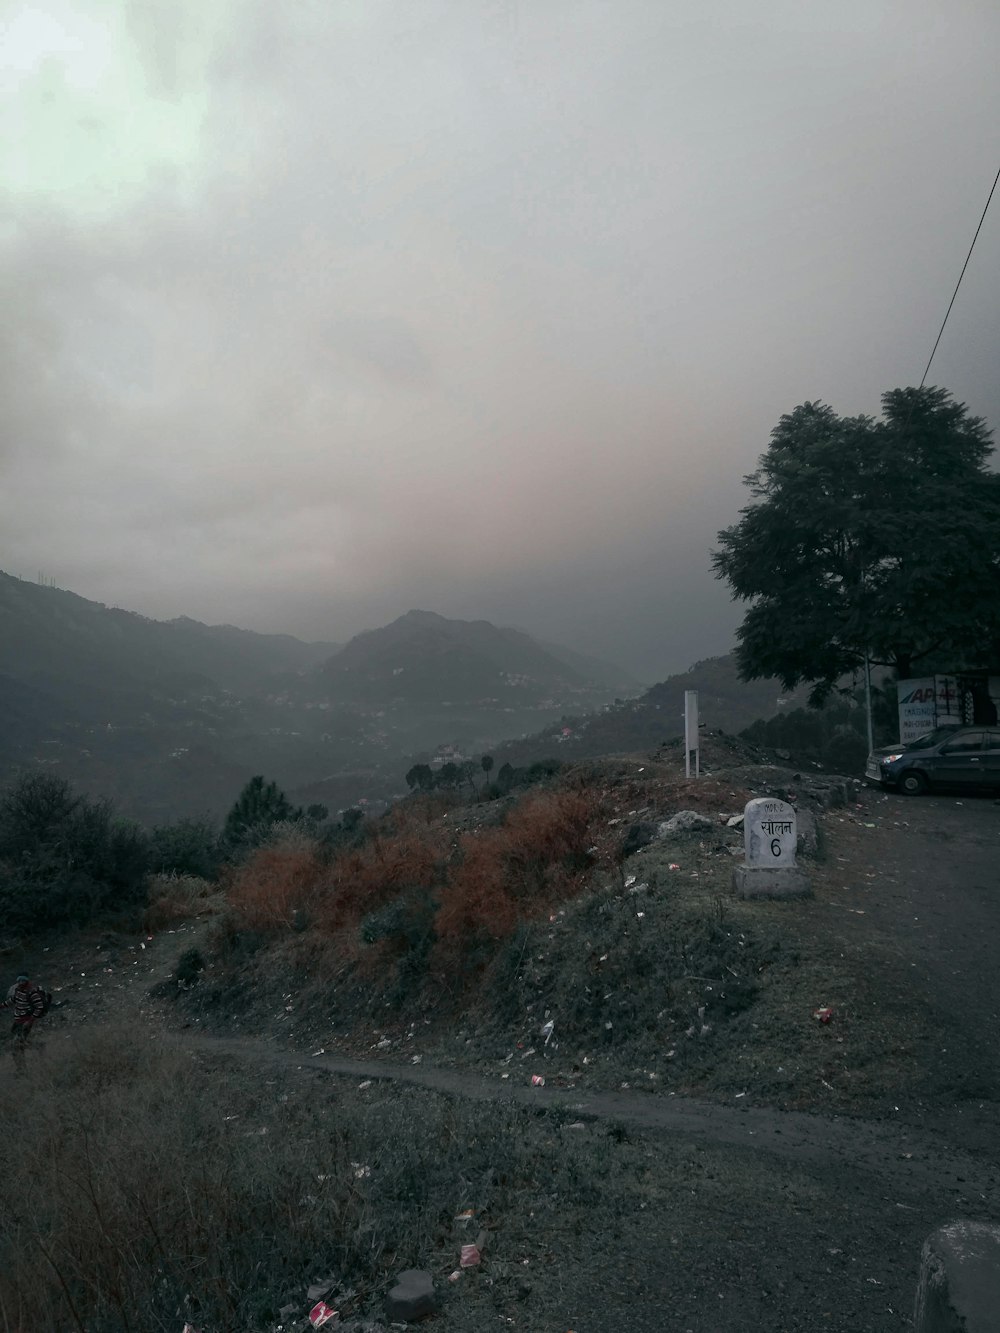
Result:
508,874
175,898
415,892
187,847
266,890
62,857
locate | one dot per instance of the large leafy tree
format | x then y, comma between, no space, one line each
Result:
868,535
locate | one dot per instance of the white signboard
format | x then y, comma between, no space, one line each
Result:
691,752
926,703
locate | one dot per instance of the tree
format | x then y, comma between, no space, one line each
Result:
63,857
351,820
186,847
258,806
864,535
486,763
420,776
448,775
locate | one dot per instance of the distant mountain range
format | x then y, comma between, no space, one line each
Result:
172,717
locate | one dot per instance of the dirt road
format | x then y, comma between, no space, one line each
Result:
925,873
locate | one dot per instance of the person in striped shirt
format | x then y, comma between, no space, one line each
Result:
27,1003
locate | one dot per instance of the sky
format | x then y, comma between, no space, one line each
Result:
314,313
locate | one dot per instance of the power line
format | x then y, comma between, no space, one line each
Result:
960,277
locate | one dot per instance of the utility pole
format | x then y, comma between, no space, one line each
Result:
868,701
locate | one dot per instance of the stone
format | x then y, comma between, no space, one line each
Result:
769,833
770,841
412,1297
808,834
637,836
685,821
959,1286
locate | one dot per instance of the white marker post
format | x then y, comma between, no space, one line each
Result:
691,733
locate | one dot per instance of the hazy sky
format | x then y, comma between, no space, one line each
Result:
318,311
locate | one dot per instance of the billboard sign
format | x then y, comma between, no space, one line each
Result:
931,701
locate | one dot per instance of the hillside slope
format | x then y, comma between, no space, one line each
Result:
725,703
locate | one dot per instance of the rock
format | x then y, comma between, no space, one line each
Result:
783,754
685,821
959,1286
412,1297
637,836
808,833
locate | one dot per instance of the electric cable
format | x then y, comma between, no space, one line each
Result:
960,277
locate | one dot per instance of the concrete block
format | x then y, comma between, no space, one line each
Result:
768,882
959,1286
412,1297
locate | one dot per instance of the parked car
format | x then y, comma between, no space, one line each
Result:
946,757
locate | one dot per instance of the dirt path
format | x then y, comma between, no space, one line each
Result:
899,1152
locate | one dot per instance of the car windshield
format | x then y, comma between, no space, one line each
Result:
931,738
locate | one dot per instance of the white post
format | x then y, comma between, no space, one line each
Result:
691,733
868,702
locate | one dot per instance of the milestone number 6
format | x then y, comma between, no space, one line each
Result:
775,846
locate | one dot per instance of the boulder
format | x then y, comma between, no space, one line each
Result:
685,821
808,833
959,1285
412,1297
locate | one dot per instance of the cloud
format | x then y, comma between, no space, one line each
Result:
483,308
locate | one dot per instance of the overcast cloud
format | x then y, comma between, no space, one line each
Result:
313,313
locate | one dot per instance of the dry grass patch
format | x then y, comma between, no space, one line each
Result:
174,898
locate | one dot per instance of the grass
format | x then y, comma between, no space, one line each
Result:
173,898
146,1188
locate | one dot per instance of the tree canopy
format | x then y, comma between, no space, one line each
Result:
863,534
258,806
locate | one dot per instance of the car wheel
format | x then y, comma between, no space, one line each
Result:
912,784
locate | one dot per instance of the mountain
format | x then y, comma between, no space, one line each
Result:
596,669
56,639
169,718
424,659
158,715
725,703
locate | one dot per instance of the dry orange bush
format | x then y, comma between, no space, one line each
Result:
365,878
510,873
483,888
266,890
